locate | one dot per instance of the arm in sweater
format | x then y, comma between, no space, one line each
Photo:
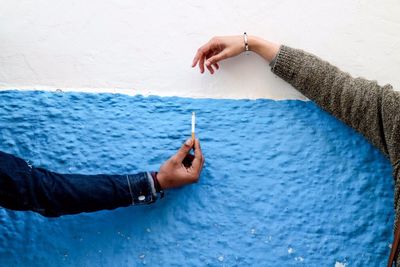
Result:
372,110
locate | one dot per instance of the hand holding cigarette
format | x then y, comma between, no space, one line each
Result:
183,168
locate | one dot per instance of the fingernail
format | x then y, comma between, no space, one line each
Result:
189,142
208,63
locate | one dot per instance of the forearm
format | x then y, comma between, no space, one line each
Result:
23,187
266,49
360,103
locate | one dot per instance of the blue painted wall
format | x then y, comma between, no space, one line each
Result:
284,184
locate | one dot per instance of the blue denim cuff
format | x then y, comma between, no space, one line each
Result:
141,188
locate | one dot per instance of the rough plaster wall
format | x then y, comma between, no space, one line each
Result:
146,47
292,186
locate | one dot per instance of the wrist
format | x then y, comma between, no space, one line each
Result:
157,184
265,49
254,43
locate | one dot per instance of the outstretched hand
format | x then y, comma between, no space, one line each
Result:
217,49
182,168
223,47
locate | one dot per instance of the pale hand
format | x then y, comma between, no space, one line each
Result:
223,47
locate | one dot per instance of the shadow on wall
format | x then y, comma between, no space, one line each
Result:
284,184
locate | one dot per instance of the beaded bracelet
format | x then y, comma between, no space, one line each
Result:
246,42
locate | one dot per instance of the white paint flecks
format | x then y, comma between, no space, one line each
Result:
146,48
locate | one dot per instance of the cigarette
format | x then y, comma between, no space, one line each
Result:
193,124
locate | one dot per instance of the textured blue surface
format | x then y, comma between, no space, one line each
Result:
284,184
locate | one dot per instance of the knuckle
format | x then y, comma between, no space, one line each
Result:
215,39
174,160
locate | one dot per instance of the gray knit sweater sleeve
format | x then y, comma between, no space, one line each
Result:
372,110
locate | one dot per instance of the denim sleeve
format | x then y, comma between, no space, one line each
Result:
24,187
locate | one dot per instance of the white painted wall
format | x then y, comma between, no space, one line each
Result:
147,46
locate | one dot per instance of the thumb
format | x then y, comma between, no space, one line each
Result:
184,150
216,58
